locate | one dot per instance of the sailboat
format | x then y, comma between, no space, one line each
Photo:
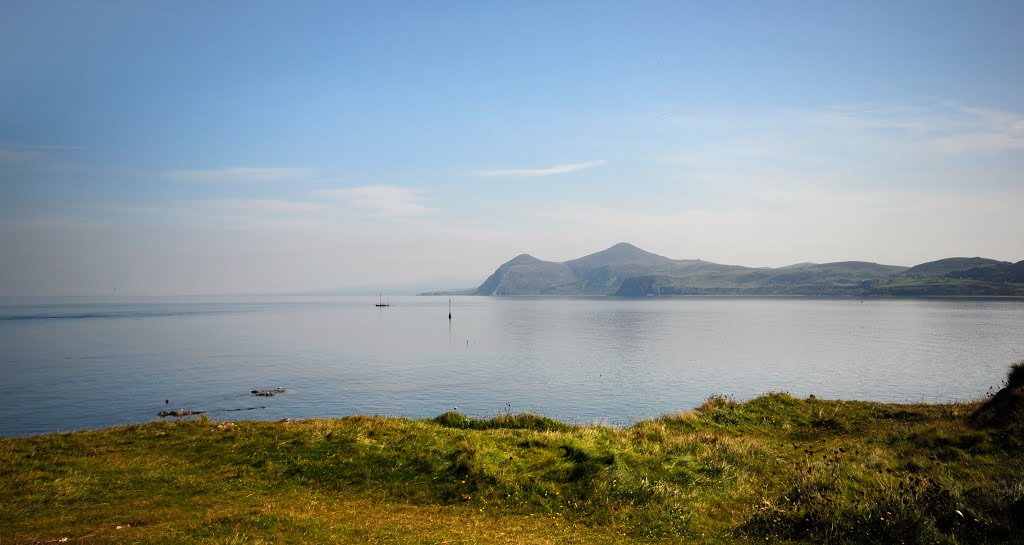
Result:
381,303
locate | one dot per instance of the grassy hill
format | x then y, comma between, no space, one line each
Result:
977,276
1002,272
775,469
841,278
951,264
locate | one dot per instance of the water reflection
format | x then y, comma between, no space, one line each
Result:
588,359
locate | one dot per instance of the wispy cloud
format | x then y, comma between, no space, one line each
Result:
267,205
241,174
383,200
948,127
10,153
530,172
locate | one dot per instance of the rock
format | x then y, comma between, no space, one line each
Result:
268,393
179,412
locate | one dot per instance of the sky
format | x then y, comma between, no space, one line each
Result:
216,147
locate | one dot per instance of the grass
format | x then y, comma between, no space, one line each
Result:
773,469
943,286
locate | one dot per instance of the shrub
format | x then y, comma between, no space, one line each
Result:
522,421
1015,379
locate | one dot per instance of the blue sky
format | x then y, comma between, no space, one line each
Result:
240,147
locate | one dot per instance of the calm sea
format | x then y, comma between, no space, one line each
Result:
70,364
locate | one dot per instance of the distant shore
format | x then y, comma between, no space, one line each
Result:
729,296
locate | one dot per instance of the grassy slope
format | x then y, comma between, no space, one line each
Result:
772,469
944,287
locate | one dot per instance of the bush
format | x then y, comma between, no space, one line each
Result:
1015,379
522,421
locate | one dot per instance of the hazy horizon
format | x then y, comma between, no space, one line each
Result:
397,289
197,148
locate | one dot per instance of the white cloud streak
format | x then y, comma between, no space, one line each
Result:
14,155
11,153
383,201
267,205
947,127
241,174
532,172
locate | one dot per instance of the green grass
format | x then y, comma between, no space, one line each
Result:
911,287
774,469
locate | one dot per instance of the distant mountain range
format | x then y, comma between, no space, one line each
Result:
627,271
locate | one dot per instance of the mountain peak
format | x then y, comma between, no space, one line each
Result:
521,259
620,254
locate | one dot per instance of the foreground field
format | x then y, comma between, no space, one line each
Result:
774,469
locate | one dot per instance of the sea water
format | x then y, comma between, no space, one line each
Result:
72,363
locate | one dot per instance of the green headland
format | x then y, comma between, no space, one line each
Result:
624,270
774,469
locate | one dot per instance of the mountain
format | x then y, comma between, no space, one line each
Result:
527,275
949,265
627,271
955,276
599,273
621,254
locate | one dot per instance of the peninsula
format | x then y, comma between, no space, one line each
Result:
627,271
